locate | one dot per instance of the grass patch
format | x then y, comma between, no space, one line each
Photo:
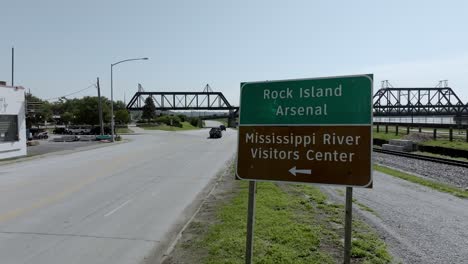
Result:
123,130
388,136
293,224
367,247
447,144
280,235
428,183
340,192
439,156
365,208
185,126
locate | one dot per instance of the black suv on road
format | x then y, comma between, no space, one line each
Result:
215,132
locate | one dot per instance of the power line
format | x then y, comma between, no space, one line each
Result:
89,87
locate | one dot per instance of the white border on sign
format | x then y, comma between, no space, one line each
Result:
371,126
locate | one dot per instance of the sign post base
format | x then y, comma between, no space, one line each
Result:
348,225
250,223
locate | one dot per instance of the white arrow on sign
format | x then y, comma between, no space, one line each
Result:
294,171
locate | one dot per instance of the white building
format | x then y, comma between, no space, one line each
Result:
12,122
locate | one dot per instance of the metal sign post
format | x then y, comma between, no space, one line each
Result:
250,223
348,225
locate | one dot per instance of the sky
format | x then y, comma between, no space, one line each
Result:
63,46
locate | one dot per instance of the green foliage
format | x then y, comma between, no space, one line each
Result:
184,126
87,111
67,117
149,109
182,117
119,105
169,120
281,236
43,111
195,121
447,144
122,116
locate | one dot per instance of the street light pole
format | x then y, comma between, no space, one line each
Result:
112,93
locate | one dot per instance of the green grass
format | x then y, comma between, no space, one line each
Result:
367,247
365,208
185,126
447,144
439,156
123,130
390,135
291,226
428,183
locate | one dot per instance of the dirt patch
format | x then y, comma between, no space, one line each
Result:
224,191
418,137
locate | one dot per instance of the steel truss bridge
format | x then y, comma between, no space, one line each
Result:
389,101
165,101
439,101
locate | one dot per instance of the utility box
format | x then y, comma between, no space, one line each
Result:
12,122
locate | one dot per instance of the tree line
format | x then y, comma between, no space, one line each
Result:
76,111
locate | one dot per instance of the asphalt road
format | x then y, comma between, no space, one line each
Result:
117,204
420,225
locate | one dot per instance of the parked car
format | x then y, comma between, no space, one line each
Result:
41,135
215,132
79,130
222,127
37,133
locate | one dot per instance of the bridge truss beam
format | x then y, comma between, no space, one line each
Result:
440,101
165,101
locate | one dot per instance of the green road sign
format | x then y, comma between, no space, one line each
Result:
335,100
309,130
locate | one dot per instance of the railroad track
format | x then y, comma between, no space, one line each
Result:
422,157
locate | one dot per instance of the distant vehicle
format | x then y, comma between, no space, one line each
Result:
79,130
222,127
41,135
37,133
215,132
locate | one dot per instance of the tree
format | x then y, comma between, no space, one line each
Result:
67,118
119,105
45,111
87,111
149,109
38,112
122,116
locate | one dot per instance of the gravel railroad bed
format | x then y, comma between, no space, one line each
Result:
453,175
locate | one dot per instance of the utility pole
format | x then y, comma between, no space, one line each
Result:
13,66
100,107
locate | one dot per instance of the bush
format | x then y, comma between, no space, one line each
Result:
182,118
195,121
169,120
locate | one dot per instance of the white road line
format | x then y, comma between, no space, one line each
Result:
115,210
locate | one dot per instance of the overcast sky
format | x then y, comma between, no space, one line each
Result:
62,46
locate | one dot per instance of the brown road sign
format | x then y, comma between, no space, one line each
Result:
313,154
